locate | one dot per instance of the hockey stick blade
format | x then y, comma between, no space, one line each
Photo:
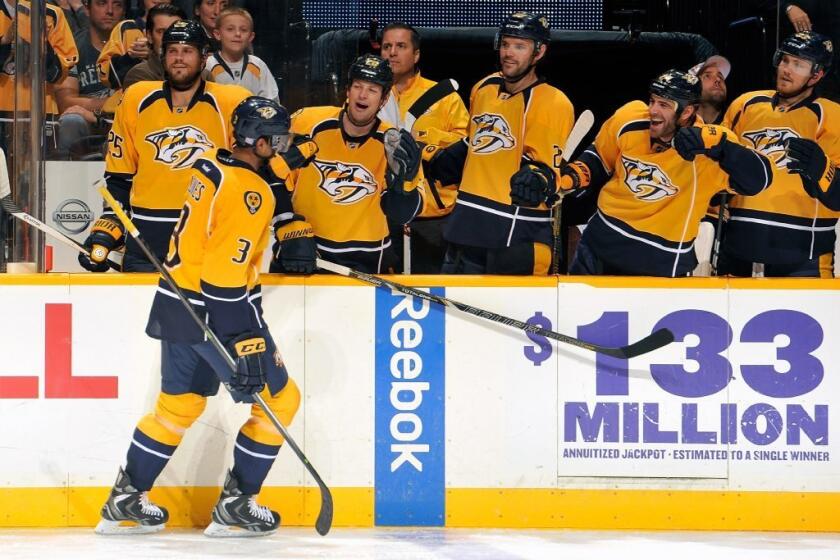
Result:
9,206
582,126
429,98
325,515
656,340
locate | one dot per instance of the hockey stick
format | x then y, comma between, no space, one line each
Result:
324,521
9,206
724,199
650,343
579,131
431,96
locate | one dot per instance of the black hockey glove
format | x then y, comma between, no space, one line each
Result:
106,235
403,160
296,248
532,185
300,153
247,350
691,141
808,160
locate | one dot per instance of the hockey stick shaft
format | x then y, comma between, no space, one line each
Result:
324,521
581,128
9,206
652,342
724,199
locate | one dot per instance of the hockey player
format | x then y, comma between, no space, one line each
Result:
784,228
508,167
443,124
159,130
654,195
214,257
350,189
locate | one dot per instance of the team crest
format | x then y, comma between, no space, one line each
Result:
253,201
195,189
771,142
179,147
647,181
492,134
345,183
267,112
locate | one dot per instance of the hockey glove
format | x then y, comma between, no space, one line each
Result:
575,175
532,185
706,140
296,246
403,155
247,350
300,153
808,160
106,235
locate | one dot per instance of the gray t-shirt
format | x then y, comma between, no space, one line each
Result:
85,70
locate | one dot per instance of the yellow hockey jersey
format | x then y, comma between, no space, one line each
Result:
114,61
216,251
343,193
783,224
650,208
444,123
504,131
62,54
152,146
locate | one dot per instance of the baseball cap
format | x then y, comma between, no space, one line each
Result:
715,60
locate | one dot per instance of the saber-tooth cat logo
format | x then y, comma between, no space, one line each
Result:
179,147
492,134
647,181
771,143
345,183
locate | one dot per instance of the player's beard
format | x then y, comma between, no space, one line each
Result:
185,83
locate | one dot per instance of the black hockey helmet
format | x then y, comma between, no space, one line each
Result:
372,68
526,26
258,117
681,87
186,32
809,46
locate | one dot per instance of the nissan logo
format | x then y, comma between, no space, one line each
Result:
73,216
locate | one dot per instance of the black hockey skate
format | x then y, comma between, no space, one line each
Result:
239,515
129,511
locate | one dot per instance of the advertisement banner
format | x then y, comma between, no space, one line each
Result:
410,411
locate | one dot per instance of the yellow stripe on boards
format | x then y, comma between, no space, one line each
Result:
468,507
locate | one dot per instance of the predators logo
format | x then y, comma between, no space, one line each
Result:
647,181
346,183
179,147
771,143
492,133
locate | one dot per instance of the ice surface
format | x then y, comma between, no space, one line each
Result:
422,544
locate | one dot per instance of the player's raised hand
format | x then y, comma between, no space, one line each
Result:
808,160
691,141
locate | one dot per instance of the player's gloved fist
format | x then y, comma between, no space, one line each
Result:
296,249
704,140
106,235
807,159
300,153
532,185
247,350
406,156
575,175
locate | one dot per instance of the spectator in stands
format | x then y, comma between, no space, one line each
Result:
443,124
232,64
158,20
75,12
127,47
206,12
81,95
784,230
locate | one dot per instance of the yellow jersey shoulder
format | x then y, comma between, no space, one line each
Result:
228,95
305,120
